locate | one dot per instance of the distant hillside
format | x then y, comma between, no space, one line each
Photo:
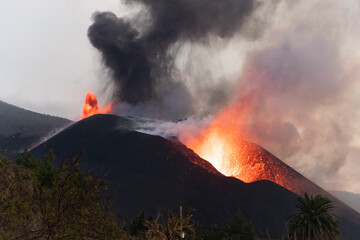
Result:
351,199
18,120
20,128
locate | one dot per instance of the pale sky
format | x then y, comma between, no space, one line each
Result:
47,63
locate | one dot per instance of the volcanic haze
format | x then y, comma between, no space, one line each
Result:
286,70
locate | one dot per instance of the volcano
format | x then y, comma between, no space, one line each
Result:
150,173
256,163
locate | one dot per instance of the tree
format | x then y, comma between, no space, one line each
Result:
136,227
50,203
239,229
44,170
313,220
170,228
236,229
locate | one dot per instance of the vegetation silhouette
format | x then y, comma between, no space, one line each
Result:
313,220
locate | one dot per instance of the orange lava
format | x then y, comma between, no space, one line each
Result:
222,144
91,108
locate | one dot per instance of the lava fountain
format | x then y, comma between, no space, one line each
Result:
223,145
91,106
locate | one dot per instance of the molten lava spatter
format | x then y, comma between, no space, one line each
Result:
220,144
223,145
91,108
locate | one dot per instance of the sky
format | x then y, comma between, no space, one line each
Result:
47,63
301,72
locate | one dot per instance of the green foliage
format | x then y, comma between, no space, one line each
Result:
313,220
17,212
44,170
46,203
237,229
136,227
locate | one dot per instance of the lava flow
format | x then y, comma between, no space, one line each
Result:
91,108
223,145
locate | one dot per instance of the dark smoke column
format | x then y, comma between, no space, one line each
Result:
141,62
124,54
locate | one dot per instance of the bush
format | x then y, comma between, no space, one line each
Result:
237,229
58,204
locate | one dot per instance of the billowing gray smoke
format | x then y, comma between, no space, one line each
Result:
303,87
296,82
141,53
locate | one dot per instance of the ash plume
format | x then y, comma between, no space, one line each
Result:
292,66
141,51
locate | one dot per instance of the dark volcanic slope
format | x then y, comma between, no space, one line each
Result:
20,128
146,172
255,159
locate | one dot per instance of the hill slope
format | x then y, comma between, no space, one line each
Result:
19,128
351,199
255,159
145,172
